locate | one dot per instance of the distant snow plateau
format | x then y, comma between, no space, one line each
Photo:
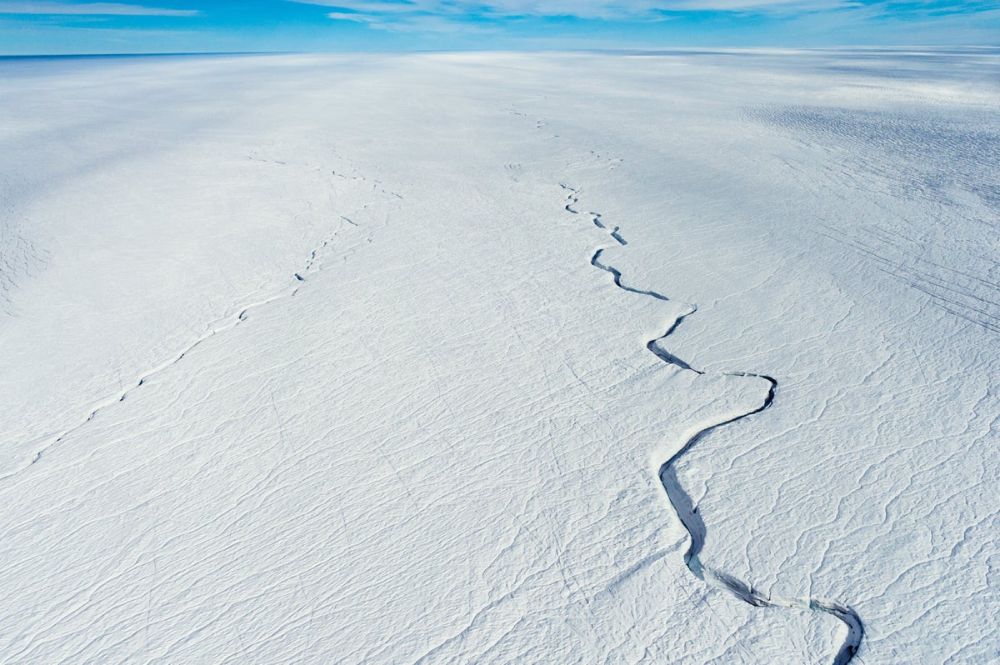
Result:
682,357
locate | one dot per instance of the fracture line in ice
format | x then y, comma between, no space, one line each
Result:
681,501
311,266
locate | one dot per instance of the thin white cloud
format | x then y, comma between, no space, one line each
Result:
346,16
405,22
478,15
90,9
388,10
439,16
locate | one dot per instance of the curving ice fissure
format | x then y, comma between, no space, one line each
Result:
682,502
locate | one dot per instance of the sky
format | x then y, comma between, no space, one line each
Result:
36,27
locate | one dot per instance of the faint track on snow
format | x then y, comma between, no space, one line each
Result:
311,266
682,502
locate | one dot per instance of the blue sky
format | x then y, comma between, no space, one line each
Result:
130,26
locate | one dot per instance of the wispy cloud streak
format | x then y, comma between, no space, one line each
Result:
465,15
90,9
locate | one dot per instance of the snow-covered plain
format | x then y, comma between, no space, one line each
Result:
679,357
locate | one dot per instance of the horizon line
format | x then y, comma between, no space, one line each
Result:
622,50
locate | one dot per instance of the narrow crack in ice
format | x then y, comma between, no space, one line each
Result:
682,503
311,266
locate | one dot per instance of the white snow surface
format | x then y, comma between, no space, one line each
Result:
430,358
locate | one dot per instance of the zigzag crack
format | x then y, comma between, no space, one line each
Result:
682,502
